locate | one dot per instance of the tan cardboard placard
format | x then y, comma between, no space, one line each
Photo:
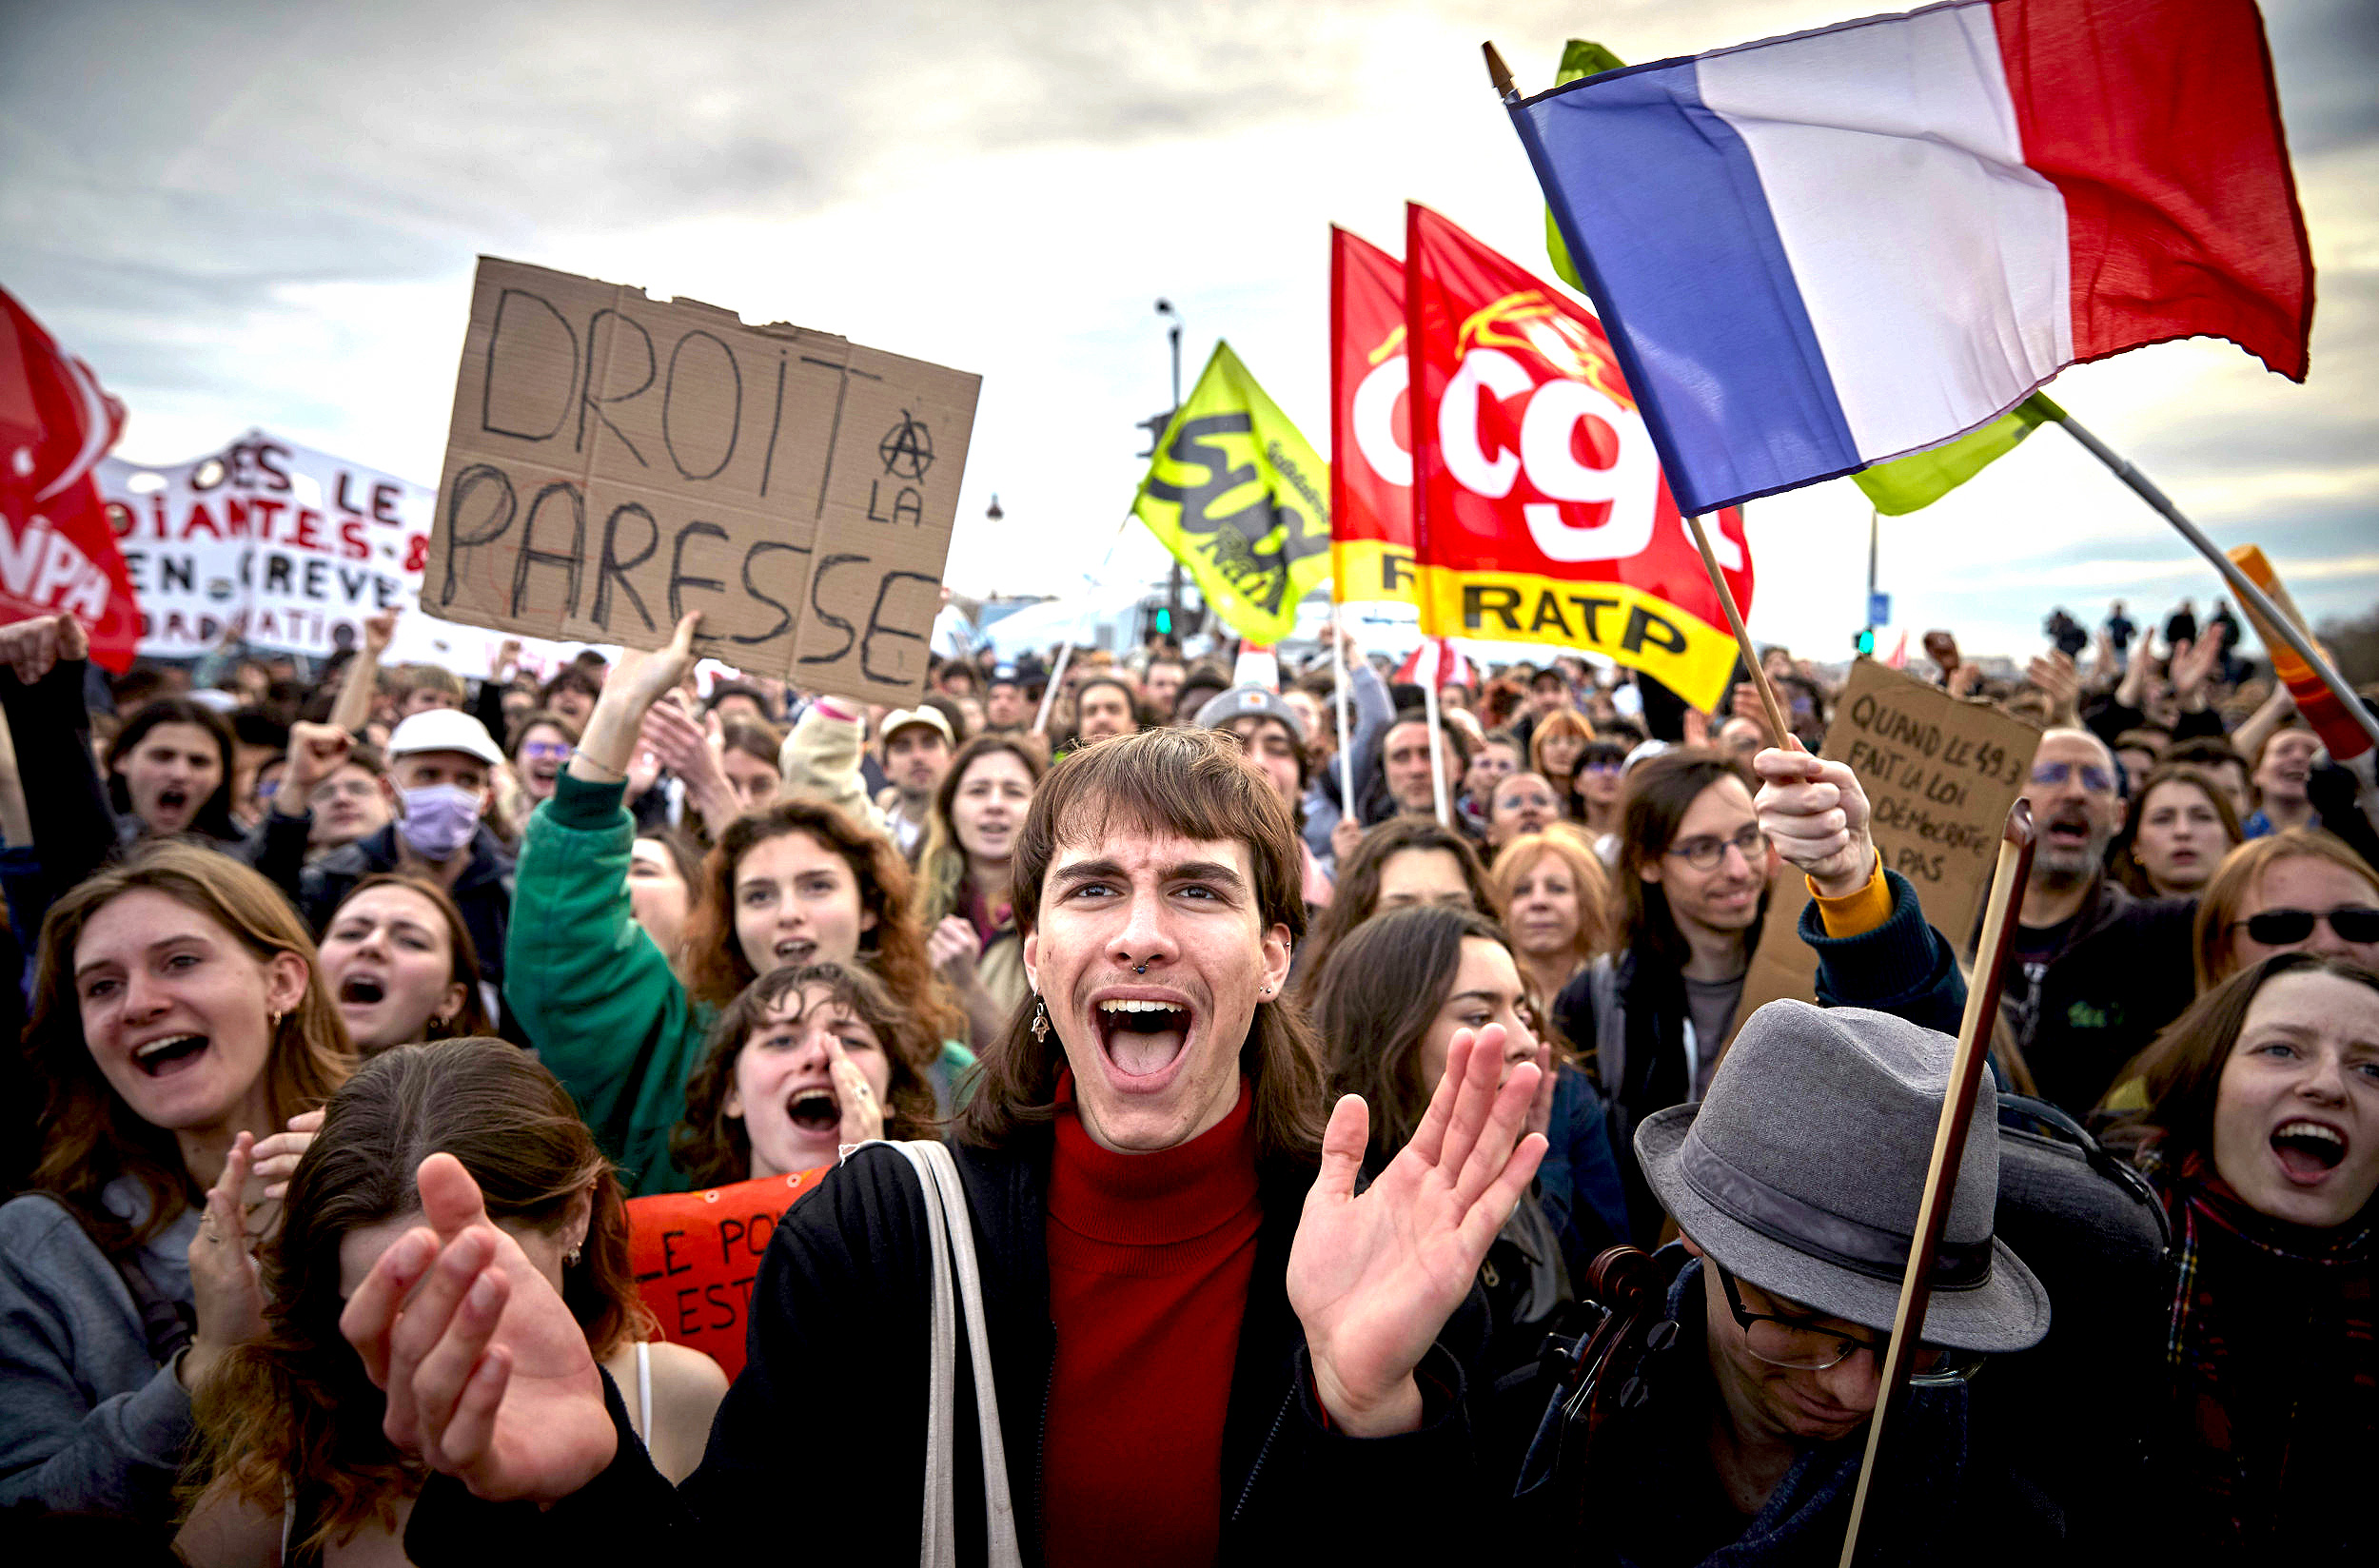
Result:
1941,774
615,461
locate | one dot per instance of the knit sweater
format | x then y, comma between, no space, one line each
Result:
1149,1256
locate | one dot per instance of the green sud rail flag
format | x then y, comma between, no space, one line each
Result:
1240,500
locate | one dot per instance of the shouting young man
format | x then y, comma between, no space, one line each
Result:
1206,1343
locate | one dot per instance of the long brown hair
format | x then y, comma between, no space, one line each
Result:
90,1137
295,1402
1660,789
942,865
895,948
213,815
1560,722
2123,857
1374,1001
2235,881
461,958
714,1149
1191,784
1357,895
2182,1070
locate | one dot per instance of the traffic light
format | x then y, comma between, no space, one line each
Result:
1164,621
1864,641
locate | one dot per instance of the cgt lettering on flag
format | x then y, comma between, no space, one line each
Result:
1542,515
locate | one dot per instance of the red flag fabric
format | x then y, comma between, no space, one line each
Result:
58,553
1542,514
1450,667
1370,426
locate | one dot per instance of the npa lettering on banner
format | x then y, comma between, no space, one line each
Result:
1542,514
1371,543
694,1256
288,547
615,462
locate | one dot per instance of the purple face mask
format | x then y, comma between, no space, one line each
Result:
438,820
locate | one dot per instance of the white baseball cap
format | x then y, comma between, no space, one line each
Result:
443,730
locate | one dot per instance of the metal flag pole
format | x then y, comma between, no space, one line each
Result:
1082,627
1338,680
2240,583
1436,737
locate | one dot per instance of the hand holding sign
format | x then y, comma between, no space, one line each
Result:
1816,815
488,1376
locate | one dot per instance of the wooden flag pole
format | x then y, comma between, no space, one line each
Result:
1967,1063
1338,680
1776,727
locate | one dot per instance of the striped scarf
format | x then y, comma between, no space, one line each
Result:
2273,1354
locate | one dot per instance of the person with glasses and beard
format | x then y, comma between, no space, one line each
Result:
2094,970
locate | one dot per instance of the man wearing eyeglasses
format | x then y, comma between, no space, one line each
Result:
2093,971
1795,1185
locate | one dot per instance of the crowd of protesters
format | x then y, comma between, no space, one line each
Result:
363,1006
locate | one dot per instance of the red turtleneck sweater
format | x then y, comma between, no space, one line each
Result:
1149,1256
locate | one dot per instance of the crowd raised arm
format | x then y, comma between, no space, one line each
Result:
414,1073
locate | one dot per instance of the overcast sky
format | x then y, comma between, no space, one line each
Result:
261,214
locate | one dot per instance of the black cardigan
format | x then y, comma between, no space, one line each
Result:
818,1445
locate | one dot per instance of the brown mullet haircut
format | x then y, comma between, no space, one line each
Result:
1192,784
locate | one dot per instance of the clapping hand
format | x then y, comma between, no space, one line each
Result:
488,1377
1373,1277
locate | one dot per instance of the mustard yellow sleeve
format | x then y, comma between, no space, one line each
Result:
1857,913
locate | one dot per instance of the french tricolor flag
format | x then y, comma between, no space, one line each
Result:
1822,251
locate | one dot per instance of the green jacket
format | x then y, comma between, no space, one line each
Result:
598,1001
607,1015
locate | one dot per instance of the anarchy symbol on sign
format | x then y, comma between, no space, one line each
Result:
907,448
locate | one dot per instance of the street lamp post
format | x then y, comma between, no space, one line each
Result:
1172,578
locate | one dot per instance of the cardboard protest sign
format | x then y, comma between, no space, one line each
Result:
616,461
696,1254
1941,775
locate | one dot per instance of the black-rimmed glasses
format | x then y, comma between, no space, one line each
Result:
1803,1346
1704,853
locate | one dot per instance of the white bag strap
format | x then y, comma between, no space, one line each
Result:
951,1233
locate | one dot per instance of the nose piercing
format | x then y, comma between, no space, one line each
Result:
1140,969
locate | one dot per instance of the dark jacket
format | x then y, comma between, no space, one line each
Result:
832,1406
2124,971
482,892
1903,967
1655,1501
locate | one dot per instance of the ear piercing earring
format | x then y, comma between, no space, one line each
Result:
1040,1019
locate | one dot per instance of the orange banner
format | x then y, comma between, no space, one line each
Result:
695,1255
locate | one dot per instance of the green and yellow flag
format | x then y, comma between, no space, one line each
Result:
1240,500
1918,480
1579,58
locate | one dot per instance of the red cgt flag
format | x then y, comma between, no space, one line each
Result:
56,549
1370,426
1541,512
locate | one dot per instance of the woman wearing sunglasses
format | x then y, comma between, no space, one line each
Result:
2300,888
2261,1137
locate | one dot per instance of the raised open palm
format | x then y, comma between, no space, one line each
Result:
1373,1277
488,1377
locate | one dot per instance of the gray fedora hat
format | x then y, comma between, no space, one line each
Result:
1803,1170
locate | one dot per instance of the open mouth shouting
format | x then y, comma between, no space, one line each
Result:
795,950
2308,1150
814,1109
363,988
2068,829
169,1054
1143,1037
